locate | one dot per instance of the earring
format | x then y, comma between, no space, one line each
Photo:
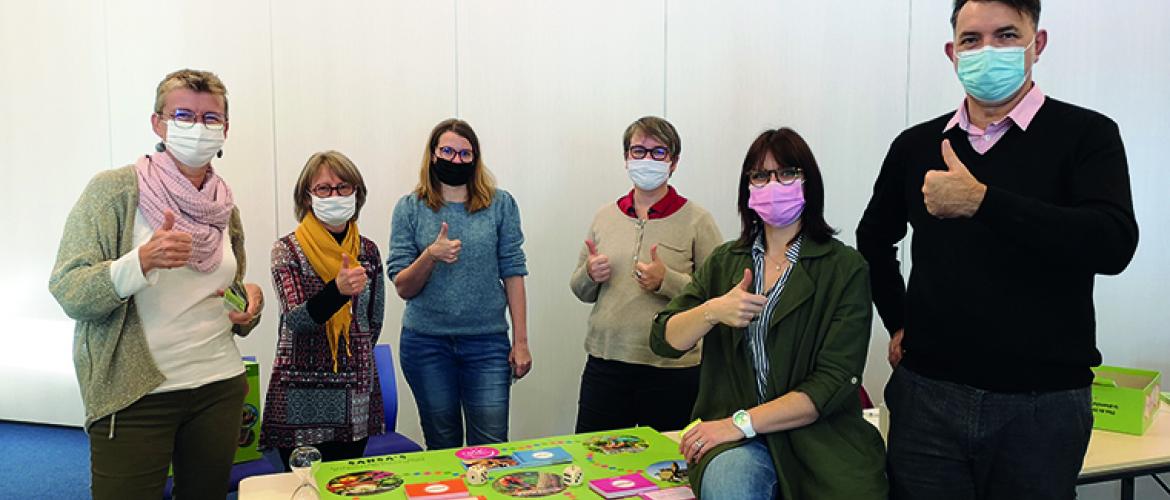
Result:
219,154
160,147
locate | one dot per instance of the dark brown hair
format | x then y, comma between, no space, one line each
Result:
790,151
1030,8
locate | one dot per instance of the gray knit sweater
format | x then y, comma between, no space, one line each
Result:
113,362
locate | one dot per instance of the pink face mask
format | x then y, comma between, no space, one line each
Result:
778,205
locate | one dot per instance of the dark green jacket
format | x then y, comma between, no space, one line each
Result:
817,343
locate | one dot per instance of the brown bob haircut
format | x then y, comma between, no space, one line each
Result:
790,151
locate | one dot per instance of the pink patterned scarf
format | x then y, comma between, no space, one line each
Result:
204,213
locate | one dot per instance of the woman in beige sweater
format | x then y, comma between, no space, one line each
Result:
638,254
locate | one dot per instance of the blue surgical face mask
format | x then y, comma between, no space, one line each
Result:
993,74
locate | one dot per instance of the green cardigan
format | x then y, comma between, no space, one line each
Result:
817,343
113,362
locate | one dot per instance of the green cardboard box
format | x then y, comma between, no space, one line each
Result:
1125,399
250,422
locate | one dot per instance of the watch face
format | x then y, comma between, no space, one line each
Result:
740,418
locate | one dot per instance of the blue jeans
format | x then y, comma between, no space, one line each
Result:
457,379
741,473
957,442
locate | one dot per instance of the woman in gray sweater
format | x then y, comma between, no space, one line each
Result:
455,258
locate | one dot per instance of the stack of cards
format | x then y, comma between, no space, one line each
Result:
542,457
622,486
441,490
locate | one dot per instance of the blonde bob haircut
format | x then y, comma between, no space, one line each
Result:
193,79
342,167
480,188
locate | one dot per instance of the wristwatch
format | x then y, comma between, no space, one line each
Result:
743,420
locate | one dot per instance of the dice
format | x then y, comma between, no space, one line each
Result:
572,475
477,474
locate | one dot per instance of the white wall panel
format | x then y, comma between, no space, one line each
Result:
933,87
549,88
54,136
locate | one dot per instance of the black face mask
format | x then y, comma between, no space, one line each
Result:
452,174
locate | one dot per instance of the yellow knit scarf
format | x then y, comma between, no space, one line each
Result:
324,255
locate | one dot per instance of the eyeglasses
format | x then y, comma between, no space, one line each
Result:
639,152
185,118
760,178
449,153
325,190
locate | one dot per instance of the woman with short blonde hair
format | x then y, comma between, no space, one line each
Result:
147,251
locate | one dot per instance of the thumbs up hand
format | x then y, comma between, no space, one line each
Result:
598,264
444,249
168,248
953,192
738,306
350,280
650,275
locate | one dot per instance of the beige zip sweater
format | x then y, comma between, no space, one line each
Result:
619,325
113,362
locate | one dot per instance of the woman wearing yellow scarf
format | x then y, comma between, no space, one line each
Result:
323,391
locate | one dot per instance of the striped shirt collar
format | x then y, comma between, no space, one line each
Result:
757,329
792,254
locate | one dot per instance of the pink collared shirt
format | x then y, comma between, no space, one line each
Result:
1021,115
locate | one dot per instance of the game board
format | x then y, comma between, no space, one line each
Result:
599,454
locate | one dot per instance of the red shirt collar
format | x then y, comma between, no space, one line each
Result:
665,207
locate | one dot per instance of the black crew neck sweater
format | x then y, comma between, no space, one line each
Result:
1003,300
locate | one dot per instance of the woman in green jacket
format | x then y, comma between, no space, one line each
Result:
784,314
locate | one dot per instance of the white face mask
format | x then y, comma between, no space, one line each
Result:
194,146
648,174
336,210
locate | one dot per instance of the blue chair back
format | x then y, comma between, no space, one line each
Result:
384,361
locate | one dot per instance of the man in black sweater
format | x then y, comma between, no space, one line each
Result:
1017,201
